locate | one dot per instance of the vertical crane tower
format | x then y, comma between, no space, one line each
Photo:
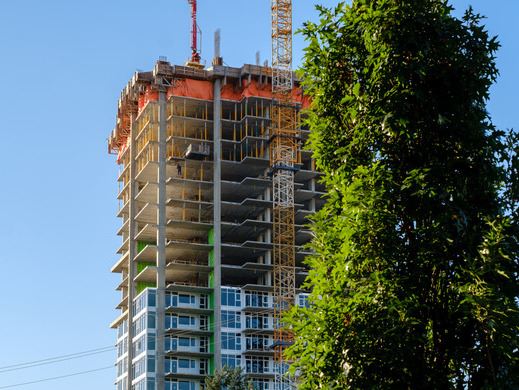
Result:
195,35
284,139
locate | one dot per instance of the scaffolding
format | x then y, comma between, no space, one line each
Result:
284,142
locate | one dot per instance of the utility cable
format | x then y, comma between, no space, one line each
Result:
56,377
76,355
44,362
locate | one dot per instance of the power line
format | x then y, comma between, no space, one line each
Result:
13,367
24,366
55,377
78,355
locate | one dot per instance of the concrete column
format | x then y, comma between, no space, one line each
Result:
132,232
217,198
161,243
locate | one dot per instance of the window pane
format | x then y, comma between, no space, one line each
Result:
151,320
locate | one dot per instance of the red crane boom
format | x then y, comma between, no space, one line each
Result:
195,52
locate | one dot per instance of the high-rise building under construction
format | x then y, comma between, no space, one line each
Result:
196,204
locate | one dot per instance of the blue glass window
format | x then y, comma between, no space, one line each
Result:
170,365
184,385
151,342
231,360
186,299
231,297
151,320
186,320
152,297
231,341
170,343
171,322
151,364
186,341
231,319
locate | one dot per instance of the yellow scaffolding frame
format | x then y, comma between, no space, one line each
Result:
284,139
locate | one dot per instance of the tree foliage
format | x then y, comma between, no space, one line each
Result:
228,378
415,275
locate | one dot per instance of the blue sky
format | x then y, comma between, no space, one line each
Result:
63,64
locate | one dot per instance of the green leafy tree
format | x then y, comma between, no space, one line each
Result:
228,378
415,275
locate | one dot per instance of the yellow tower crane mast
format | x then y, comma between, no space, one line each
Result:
284,142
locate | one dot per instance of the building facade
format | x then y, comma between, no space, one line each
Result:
196,211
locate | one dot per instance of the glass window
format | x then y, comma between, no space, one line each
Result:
151,320
303,300
184,363
171,299
184,385
257,342
140,385
184,341
204,344
138,368
231,297
231,341
186,320
139,303
122,328
256,364
152,297
122,366
151,342
170,365
186,299
151,364
231,360
256,321
256,299
231,319
171,321
170,343
138,345
122,347
139,325
260,384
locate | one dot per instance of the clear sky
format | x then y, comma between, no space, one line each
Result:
63,65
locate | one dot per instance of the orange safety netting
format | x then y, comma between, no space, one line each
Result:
149,95
121,151
196,89
254,89
231,92
201,89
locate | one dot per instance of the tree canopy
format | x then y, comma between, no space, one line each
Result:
414,281
228,378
